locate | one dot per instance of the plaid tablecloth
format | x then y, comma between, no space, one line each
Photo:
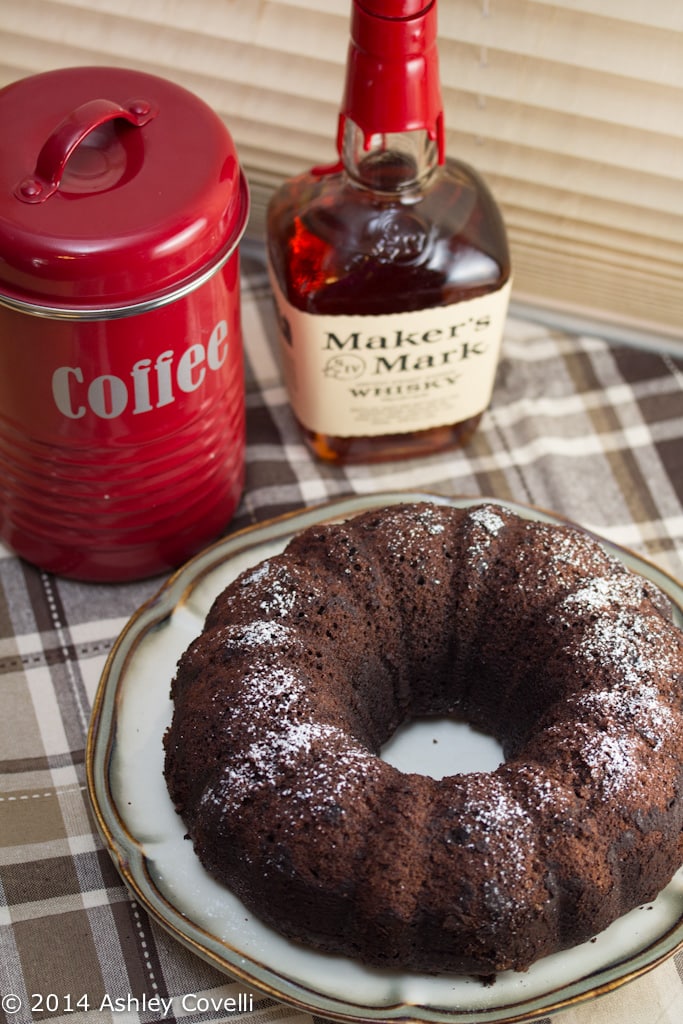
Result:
590,429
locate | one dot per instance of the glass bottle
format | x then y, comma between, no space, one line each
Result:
390,268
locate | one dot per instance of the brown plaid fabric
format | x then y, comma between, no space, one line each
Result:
586,428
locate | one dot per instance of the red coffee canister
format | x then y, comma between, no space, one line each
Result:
122,204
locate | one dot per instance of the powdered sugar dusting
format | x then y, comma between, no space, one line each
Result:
270,691
502,835
278,595
630,707
278,750
486,517
601,592
333,775
399,528
427,517
487,525
612,760
622,644
325,760
546,794
642,710
257,633
570,546
255,575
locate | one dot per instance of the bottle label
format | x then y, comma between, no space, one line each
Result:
365,376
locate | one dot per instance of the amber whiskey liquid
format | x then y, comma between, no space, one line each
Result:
392,241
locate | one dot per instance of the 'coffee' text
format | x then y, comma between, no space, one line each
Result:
153,384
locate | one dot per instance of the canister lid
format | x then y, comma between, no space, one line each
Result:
117,188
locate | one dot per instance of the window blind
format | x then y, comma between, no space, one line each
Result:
572,110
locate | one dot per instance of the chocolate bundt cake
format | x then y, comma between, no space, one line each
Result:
530,632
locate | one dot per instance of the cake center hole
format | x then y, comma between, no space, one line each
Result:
441,746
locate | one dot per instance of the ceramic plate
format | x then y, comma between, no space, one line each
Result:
145,836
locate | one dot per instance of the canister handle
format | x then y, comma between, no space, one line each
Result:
68,134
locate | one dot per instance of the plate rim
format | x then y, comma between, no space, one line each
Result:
128,854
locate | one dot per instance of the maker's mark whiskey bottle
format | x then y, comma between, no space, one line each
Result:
390,269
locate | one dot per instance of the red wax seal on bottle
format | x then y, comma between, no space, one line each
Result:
392,81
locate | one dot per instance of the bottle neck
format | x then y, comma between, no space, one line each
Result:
389,162
392,84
